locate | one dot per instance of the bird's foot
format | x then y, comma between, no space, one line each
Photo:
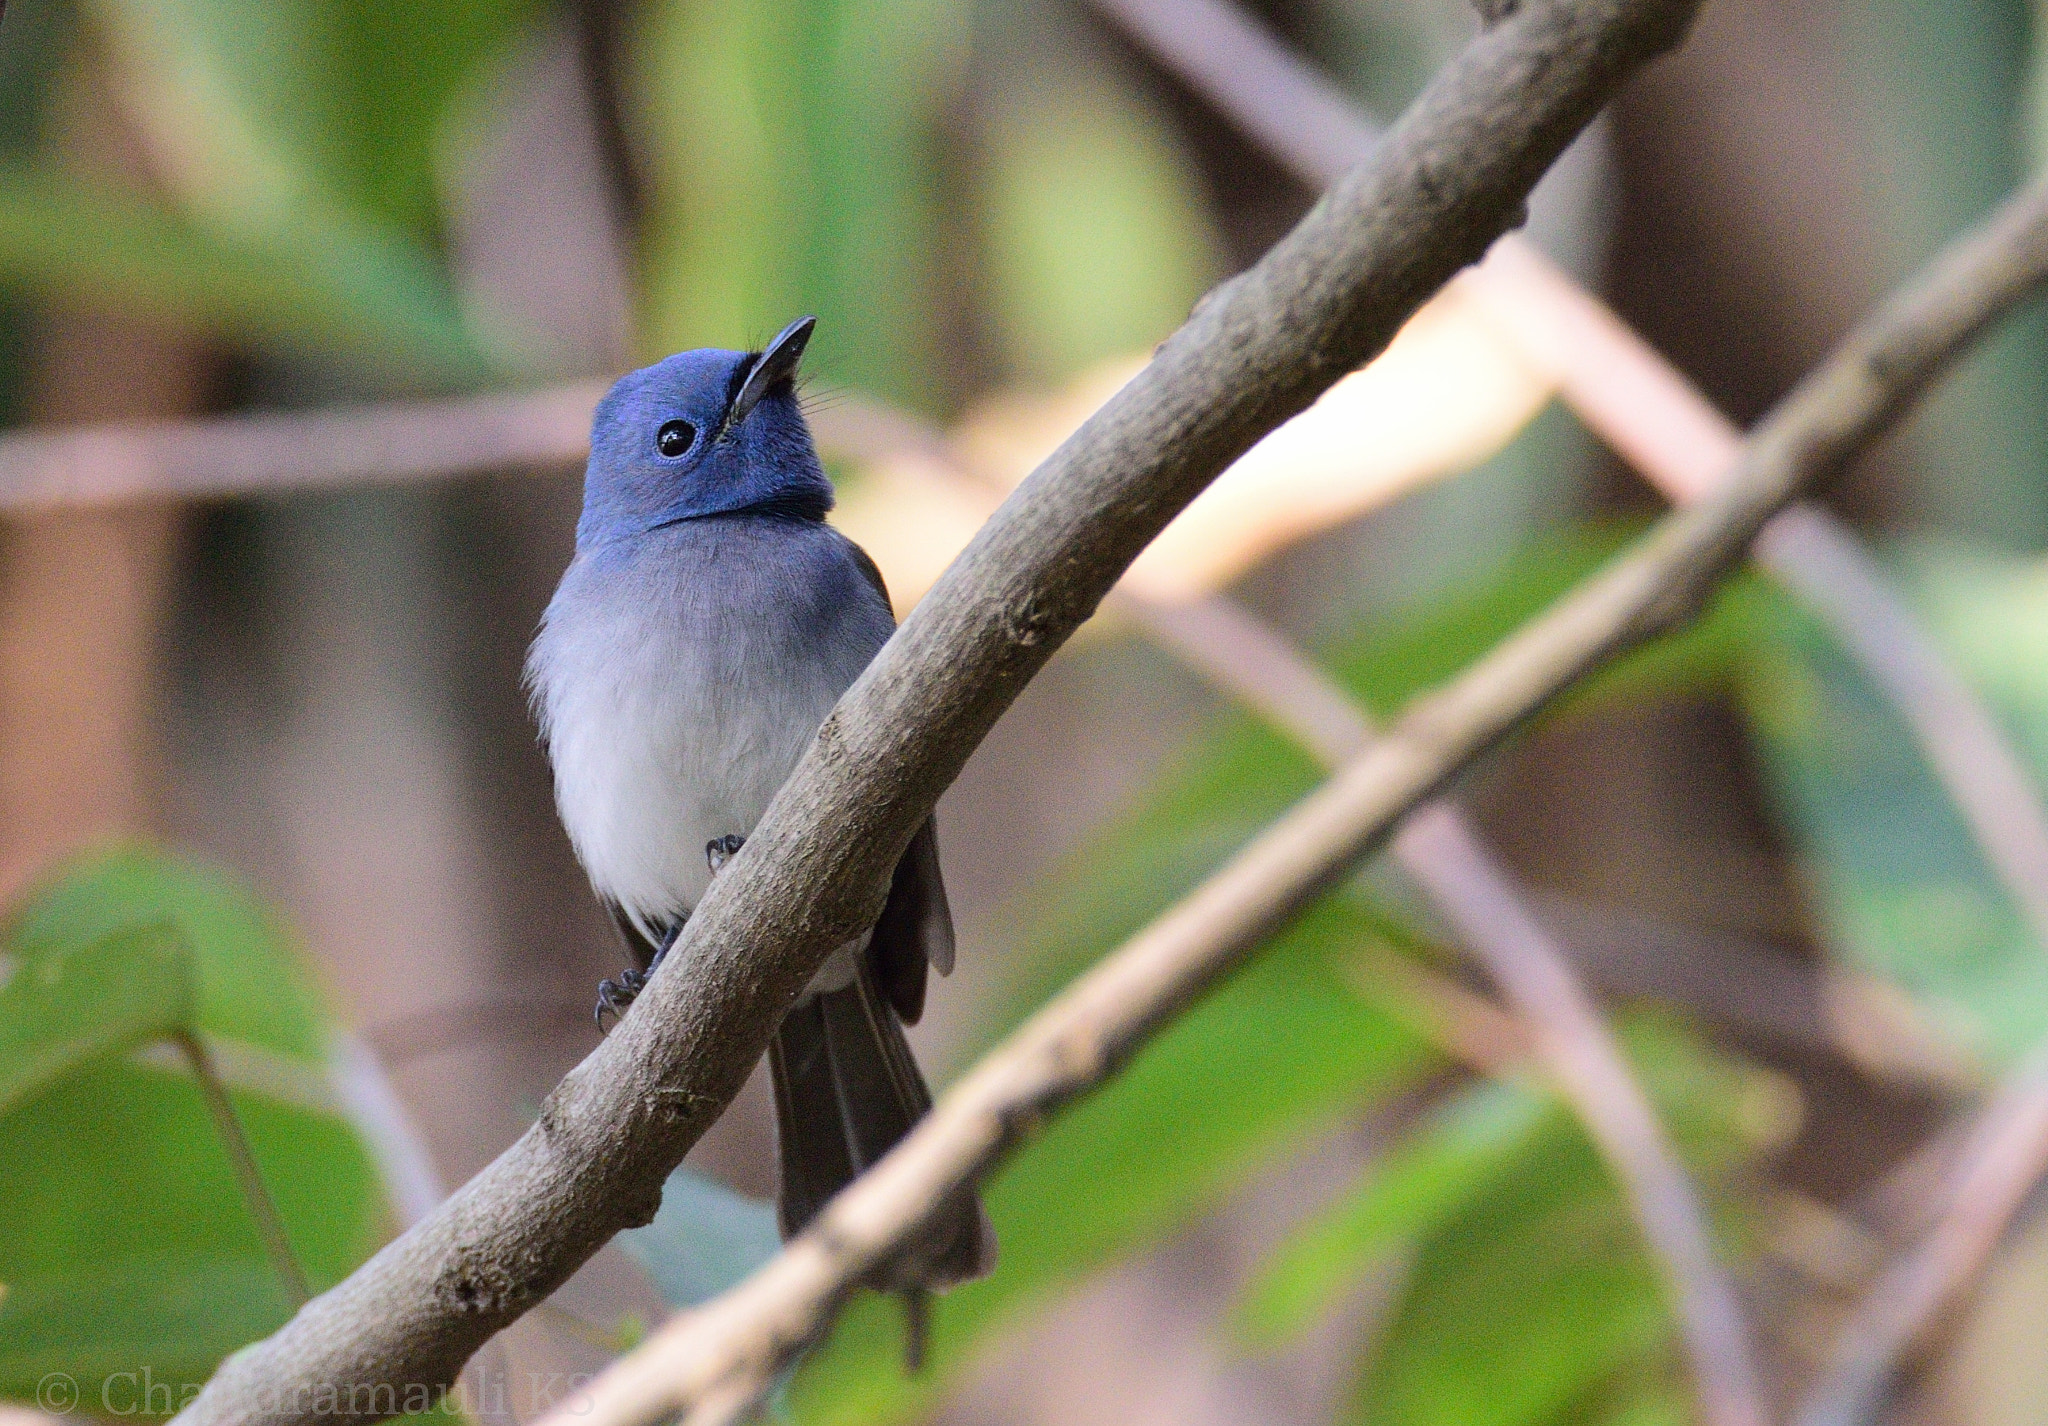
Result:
720,850
616,995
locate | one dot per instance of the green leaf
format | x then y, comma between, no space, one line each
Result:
1520,1307
1536,1296
104,1327
297,110
1902,889
249,985
335,291
793,154
1439,1169
126,1245
88,1000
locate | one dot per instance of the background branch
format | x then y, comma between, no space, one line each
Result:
1648,413
1451,176
1999,1164
711,1362
248,1177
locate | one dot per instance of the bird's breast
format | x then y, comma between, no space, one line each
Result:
678,685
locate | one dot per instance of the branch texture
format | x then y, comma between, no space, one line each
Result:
1451,177
712,1362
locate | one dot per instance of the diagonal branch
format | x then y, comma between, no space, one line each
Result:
1438,847
1649,413
713,1362
2001,1161
1450,177
1490,915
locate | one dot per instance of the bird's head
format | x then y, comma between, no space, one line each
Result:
707,432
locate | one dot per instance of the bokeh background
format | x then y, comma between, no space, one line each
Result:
298,719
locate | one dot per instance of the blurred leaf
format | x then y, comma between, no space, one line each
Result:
706,1238
1902,889
1437,1170
281,112
1447,395
793,159
126,1244
92,999
1537,1295
1097,242
250,987
299,135
64,238
105,1326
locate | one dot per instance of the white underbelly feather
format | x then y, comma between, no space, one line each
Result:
654,759
679,681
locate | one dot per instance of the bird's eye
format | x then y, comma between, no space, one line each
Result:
674,438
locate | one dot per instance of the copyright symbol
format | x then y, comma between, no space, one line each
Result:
57,1393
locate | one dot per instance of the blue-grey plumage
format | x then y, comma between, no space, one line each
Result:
680,674
708,622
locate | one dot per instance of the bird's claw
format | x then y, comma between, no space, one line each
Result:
720,850
616,995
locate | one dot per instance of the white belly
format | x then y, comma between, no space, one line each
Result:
672,718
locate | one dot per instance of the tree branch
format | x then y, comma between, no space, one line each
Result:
2002,1159
712,1362
1450,177
1649,414
1441,852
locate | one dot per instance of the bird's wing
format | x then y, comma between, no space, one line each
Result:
916,927
870,571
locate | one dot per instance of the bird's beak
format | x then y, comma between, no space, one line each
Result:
776,364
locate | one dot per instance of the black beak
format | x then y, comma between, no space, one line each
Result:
777,364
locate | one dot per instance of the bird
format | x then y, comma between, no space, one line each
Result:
707,622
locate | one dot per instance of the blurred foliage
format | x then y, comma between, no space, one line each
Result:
792,153
970,192
1298,1041
1093,259
1540,1224
126,1245
1938,112
1901,888
63,234
800,157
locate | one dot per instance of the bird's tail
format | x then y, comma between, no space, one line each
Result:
846,1090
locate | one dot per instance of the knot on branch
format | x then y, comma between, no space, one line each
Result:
471,1285
1492,12
1028,622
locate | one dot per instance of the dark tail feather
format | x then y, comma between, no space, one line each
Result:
846,1090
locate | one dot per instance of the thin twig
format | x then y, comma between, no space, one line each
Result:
2001,1162
738,1341
378,444
1448,180
227,1127
1438,848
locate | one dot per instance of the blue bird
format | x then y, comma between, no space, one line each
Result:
708,622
